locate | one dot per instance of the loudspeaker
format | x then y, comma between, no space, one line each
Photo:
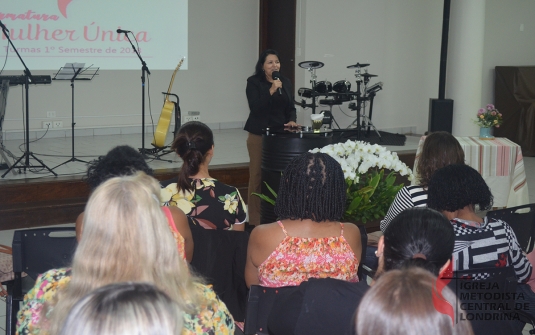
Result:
440,115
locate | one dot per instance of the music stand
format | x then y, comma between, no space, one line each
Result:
28,78
73,72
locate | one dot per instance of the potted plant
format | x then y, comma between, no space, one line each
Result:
487,118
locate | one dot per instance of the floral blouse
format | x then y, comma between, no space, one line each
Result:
212,204
211,319
296,259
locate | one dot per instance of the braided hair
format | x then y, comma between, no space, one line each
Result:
122,160
312,187
192,143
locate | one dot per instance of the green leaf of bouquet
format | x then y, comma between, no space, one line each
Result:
271,190
355,203
265,198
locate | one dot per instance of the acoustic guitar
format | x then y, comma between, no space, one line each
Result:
167,112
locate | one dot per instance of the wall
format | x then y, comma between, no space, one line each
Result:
505,44
401,41
223,48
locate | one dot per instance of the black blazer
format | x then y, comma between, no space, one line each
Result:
259,101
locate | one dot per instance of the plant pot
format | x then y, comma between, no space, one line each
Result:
486,133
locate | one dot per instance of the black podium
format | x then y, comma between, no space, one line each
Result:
279,147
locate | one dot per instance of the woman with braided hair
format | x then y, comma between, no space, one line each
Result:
308,241
210,203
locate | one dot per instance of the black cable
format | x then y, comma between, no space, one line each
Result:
148,89
150,107
5,60
35,139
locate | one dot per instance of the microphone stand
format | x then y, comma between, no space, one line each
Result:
27,79
144,69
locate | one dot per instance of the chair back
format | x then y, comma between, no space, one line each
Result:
259,304
219,257
522,221
36,251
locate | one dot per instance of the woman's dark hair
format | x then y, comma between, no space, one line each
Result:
456,186
122,160
415,232
258,70
312,187
193,141
440,149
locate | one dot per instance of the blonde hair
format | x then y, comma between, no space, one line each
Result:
124,309
126,238
401,303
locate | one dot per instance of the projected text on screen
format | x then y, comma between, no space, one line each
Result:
49,33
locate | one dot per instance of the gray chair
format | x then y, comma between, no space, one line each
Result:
36,251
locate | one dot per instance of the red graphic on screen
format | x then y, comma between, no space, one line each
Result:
62,5
442,305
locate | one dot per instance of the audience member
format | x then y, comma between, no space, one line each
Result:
308,241
440,149
417,237
125,309
456,190
401,303
212,204
125,237
124,160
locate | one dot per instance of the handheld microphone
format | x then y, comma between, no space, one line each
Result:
120,31
276,76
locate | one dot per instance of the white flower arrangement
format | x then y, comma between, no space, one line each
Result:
357,157
369,192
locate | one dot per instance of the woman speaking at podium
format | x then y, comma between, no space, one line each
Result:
271,104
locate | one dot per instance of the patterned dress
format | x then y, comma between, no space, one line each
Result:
211,204
213,318
297,259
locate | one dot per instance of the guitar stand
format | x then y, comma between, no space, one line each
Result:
160,152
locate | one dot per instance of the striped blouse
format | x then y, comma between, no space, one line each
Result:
489,244
407,197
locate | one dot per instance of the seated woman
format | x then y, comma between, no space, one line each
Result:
402,302
440,149
417,237
308,241
212,204
125,237
125,309
124,160
456,190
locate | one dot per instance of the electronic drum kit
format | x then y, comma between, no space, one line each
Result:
340,92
